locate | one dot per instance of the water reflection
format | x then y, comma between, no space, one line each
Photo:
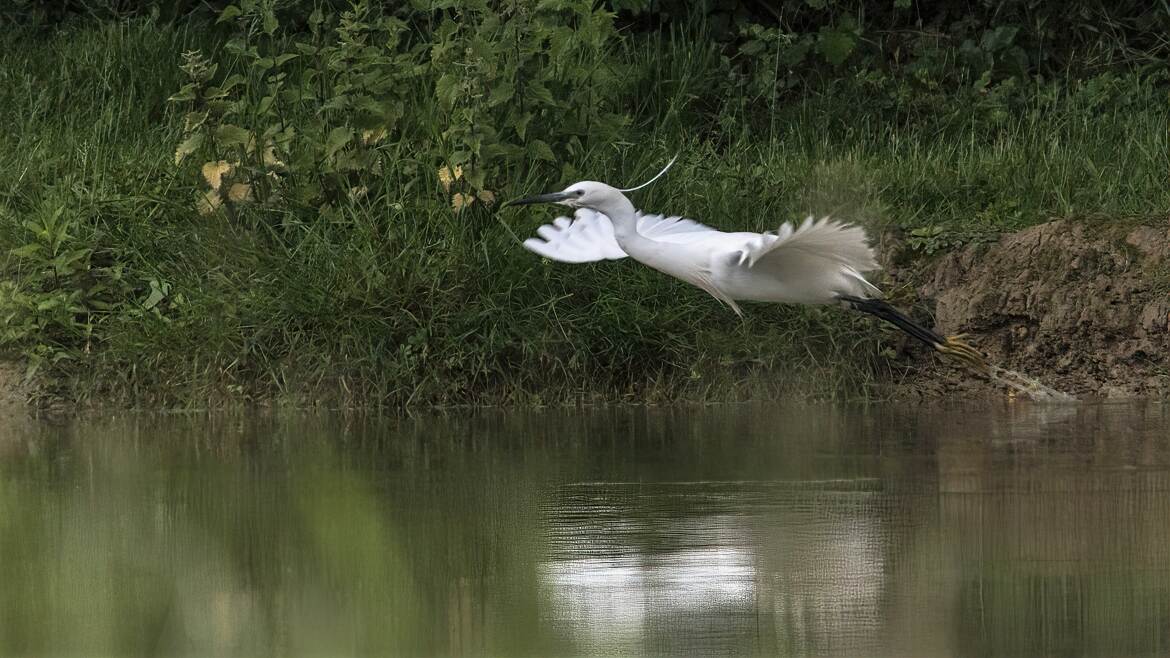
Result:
750,530
709,579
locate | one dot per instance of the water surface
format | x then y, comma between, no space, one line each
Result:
741,530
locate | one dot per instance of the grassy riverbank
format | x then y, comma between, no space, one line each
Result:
376,291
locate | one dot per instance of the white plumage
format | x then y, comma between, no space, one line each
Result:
818,262
813,263
588,236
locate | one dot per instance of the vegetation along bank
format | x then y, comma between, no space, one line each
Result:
255,201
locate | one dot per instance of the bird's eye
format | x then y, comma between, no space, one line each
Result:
580,192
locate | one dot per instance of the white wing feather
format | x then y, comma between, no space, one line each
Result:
588,237
811,263
678,230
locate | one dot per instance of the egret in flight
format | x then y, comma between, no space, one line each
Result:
818,262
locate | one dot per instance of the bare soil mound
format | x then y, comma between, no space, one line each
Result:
1081,307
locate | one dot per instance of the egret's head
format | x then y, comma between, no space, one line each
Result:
585,194
603,198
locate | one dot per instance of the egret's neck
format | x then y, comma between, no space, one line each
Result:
621,212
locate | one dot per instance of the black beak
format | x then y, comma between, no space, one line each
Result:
551,197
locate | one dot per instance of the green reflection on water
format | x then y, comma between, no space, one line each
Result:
886,530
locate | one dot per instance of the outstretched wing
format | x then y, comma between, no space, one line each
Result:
815,253
588,237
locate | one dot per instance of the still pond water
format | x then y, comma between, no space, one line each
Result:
743,530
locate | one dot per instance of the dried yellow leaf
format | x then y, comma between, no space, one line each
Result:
460,201
370,137
208,202
487,196
358,192
240,192
448,176
270,159
213,173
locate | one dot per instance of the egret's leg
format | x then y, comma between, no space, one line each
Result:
953,346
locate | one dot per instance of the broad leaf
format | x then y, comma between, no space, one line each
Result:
541,151
229,12
337,139
229,135
187,147
447,89
835,46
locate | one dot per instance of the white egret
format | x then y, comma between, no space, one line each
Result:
818,262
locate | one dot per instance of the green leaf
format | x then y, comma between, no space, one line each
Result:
447,90
793,54
999,38
235,46
835,46
25,251
229,12
219,107
193,121
541,151
501,93
752,48
521,124
270,23
154,297
475,178
229,135
187,146
337,139
187,93
232,82
341,102
540,93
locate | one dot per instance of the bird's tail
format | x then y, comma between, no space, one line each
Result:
952,346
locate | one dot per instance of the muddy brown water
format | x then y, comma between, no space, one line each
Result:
1020,529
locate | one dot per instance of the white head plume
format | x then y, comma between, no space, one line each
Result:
659,175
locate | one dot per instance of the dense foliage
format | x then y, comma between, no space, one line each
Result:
284,197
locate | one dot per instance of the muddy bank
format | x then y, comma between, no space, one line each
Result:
13,391
1082,306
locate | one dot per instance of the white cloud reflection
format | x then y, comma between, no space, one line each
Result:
662,572
617,602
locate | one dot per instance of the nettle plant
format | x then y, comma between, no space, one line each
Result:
306,134
318,114
518,82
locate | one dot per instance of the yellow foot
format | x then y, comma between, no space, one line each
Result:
957,347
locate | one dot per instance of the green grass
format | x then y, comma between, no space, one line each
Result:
399,301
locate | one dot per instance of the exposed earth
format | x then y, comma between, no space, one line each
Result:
1082,306
13,392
